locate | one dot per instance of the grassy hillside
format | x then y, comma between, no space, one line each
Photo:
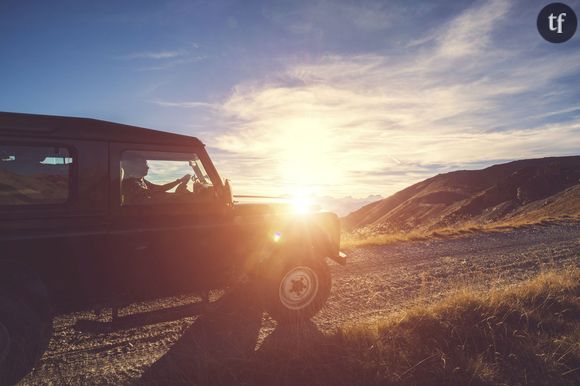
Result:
527,334
507,195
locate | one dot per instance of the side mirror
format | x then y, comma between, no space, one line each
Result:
229,196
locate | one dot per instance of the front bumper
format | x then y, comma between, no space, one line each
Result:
340,258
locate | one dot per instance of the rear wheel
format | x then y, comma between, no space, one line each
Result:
23,340
298,289
20,283
25,323
4,342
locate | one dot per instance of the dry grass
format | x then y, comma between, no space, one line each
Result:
367,237
523,334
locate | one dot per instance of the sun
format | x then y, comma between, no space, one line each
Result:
306,157
301,205
302,201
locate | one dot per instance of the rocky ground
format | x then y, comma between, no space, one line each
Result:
376,281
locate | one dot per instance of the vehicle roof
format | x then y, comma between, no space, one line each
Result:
35,125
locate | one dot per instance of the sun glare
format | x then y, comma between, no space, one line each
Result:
302,201
306,156
301,205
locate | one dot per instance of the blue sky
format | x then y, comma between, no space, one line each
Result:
340,98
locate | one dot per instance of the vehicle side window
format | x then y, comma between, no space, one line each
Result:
34,175
150,177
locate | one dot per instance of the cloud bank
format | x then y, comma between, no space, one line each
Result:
462,96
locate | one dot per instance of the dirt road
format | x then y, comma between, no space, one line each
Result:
376,281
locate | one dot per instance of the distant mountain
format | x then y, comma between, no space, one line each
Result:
344,205
48,185
531,189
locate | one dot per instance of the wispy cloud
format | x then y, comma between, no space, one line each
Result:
153,55
163,60
173,63
471,32
187,105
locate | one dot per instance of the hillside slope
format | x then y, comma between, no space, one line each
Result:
522,190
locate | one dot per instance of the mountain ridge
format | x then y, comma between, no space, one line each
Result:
542,187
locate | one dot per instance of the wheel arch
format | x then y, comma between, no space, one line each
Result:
19,279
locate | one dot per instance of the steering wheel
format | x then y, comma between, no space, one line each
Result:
182,187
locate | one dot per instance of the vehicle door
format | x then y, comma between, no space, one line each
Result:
166,227
53,208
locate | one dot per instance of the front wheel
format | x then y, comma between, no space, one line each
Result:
298,289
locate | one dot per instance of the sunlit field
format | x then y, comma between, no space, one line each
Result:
366,237
526,333
519,334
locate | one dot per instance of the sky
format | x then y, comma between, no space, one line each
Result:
335,98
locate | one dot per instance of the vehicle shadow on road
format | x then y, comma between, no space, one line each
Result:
219,347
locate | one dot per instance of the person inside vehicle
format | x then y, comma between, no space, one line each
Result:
136,189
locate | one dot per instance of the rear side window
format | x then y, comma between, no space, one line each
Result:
34,175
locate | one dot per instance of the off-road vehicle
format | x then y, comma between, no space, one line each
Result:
97,214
